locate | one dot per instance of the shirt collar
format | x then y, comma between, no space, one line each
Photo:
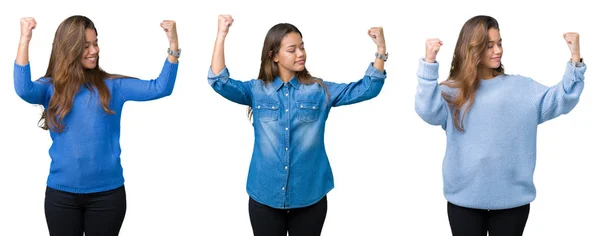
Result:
278,83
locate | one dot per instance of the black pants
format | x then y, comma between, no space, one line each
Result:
96,214
476,222
306,221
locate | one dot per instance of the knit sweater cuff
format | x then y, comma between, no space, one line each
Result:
428,71
578,72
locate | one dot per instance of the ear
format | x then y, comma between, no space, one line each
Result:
275,58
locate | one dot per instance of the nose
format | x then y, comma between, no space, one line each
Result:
300,53
497,50
92,50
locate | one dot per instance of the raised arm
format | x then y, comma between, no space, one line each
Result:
218,56
562,97
376,33
371,84
27,26
218,75
144,90
429,103
31,92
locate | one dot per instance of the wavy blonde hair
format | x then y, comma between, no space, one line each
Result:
464,71
67,74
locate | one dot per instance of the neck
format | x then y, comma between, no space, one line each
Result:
486,73
286,76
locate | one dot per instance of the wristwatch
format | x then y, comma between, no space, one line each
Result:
174,53
381,56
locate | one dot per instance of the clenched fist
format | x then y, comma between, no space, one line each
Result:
170,29
376,33
225,21
432,47
572,39
27,26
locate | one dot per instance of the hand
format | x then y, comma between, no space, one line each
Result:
27,26
432,47
170,28
376,33
225,21
572,39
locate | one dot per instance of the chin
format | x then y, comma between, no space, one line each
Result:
494,65
89,67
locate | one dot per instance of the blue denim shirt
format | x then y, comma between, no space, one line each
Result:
289,166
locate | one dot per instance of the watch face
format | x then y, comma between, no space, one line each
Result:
174,53
381,56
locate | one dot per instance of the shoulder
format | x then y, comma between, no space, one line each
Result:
118,79
516,77
256,83
318,80
518,80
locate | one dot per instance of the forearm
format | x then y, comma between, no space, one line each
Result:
379,63
23,52
218,57
174,46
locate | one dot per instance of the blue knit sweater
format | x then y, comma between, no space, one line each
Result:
86,155
491,164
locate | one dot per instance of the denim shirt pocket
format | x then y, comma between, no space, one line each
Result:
266,110
307,111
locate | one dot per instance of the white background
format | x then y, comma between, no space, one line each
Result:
186,156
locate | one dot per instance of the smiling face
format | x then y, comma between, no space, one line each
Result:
89,56
493,53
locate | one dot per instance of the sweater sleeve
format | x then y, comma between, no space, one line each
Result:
30,91
145,90
429,103
561,98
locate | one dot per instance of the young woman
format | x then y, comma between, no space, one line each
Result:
85,189
290,174
491,121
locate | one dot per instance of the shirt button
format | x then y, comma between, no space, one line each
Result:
285,167
274,108
301,106
286,148
286,128
286,94
283,188
286,110
258,107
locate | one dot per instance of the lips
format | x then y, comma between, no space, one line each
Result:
300,62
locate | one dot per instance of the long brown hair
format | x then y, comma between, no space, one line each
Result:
464,71
67,74
268,67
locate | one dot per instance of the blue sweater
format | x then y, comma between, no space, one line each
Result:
86,155
491,164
